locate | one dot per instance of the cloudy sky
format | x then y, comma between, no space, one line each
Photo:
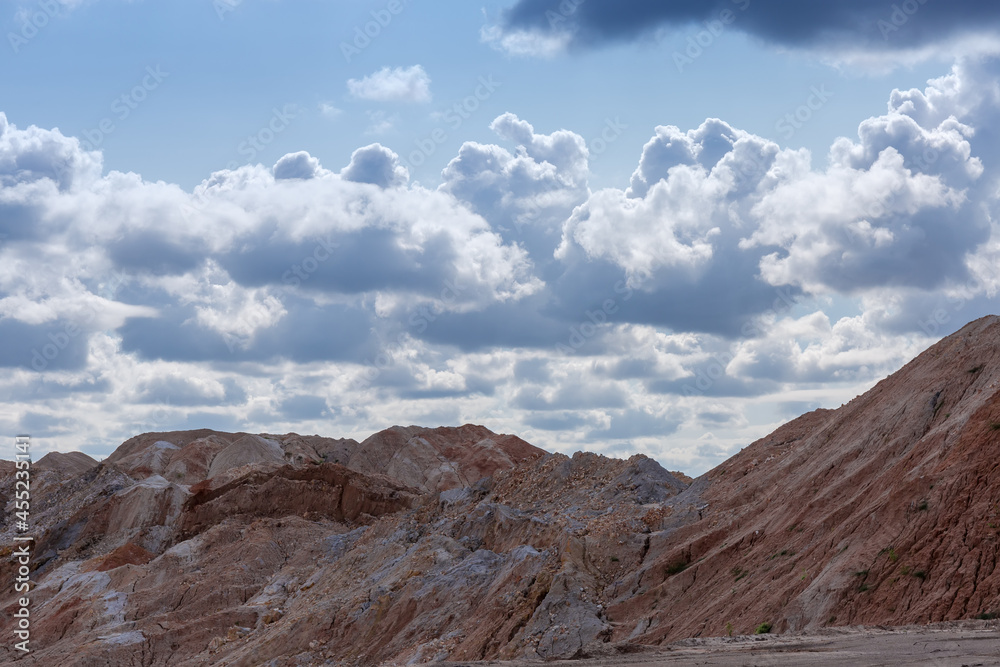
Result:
620,226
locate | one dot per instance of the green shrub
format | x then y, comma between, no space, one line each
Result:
763,629
679,566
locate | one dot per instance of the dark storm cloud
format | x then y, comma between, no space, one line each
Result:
349,263
173,390
302,407
149,252
571,396
809,23
41,388
59,345
719,302
41,425
511,325
20,222
635,424
709,381
555,422
307,333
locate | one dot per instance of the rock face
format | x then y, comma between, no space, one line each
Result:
419,545
442,458
74,463
884,511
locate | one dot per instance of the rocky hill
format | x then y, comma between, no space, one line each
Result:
417,545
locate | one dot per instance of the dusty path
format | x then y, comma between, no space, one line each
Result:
903,647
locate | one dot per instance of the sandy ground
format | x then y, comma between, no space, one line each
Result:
948,645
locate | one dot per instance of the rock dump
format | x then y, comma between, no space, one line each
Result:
420,545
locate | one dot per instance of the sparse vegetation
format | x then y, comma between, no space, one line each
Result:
995,426
976,369
763,629
920,574
614,559
729,629
923,506
861,573
891,551
905,570
739,573
679,566
988,615
862,588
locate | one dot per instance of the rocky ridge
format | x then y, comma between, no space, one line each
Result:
420,545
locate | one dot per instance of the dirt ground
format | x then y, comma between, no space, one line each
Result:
944,645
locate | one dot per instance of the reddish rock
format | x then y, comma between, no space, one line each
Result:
442,458
128,554
421,545
71,463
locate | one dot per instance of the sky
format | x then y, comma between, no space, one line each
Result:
623,227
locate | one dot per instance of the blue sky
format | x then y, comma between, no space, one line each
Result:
623,227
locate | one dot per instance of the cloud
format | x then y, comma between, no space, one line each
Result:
29,158
904,205
513,293
296,165
377,165
328,110
525,195
543,27
400,84
380,122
